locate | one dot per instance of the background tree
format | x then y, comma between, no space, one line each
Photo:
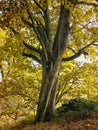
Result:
18,92
59,27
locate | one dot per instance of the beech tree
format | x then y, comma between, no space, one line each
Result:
49,30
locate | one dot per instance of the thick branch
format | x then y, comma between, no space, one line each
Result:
62,32
47,25
76,55
32,56
31,48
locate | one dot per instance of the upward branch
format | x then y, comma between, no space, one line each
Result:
62,32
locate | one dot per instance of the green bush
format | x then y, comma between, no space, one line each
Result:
80,106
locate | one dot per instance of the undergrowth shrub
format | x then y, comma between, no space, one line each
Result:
79,106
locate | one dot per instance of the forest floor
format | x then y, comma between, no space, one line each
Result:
78,114
73,123
62,123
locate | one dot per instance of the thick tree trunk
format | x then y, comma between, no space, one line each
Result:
47,97
51,59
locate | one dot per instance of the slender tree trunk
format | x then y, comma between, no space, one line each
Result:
47,97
